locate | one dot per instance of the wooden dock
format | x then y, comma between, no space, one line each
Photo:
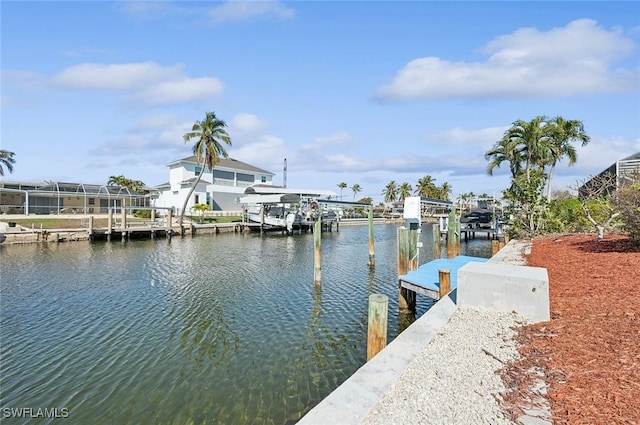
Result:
425,280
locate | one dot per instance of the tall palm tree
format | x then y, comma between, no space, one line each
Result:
404,191
6,160
565,132
390,192
356,188
444,191
507,150
532,140
210,135
426,186
342,185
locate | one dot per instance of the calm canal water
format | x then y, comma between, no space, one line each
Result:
224,329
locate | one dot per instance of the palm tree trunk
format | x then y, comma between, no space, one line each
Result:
186,200
553,166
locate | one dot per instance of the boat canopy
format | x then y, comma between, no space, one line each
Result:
282,198
268,190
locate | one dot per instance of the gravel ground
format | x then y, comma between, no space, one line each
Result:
454,380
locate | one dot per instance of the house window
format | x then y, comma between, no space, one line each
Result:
198,170
263,179
92,201
175,192
197,199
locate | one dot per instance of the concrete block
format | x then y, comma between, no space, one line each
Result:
504,287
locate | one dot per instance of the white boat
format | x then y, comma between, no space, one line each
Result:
274,211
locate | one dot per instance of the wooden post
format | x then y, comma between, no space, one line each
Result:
372,255
435,230
500,245
444,279
169,223
153,215
451,234
458,234
506,239
377,326
191,229
109,224
123,214
317,257
495,247
91,228
403,266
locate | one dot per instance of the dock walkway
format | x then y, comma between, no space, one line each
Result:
425,280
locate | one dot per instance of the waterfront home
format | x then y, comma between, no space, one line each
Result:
64,198
219,187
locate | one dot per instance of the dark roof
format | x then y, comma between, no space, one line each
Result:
228,163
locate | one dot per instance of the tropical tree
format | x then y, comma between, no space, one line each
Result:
426,186
404,191
505,150
444,191
133,185
210,136
390,192
564,133
356,189
201,208
342,185
6,161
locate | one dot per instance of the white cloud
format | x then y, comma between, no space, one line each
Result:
145,82
254,152
576,59
484,137
236,11
245,123
183,91
126,76
338,139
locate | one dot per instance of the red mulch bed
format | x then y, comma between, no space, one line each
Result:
590,350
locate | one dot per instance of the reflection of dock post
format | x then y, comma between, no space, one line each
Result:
109,224
377,324
444,279
317,255
372,255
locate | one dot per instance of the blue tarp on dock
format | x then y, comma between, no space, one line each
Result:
426,276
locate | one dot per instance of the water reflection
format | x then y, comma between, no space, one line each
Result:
227,329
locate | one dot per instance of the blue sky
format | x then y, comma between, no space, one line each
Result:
355,92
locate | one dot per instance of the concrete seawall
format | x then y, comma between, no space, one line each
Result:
352,401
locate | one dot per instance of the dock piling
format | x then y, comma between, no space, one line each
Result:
317,240
372,255
377,324
444,279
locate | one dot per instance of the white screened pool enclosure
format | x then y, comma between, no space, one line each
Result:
66,198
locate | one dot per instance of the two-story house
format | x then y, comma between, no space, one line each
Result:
217,188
